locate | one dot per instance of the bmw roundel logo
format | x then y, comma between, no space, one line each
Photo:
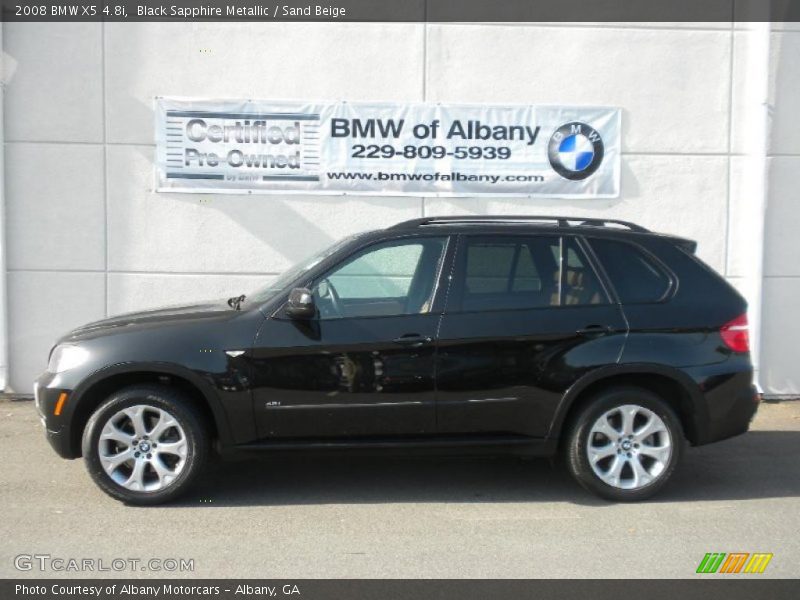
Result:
575,150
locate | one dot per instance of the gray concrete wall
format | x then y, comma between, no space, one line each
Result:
87,237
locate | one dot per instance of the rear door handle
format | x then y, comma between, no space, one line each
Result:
595,330
413,339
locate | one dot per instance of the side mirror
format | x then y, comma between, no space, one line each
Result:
301,304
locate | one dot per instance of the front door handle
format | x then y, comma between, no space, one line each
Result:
595,330
413,339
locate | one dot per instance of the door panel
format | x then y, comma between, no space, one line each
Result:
505,371
345,377
365,365
527,316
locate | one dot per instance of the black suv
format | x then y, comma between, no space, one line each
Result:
529,335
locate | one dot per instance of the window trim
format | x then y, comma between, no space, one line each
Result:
593,265
672,279
562,272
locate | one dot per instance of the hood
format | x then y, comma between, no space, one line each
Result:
149,318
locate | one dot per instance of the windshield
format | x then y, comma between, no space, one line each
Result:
284,279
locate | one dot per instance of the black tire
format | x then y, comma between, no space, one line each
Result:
181,408
578,440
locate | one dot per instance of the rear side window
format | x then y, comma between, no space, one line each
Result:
635,276
502,273
509,273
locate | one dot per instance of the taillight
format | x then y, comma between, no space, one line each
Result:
735,334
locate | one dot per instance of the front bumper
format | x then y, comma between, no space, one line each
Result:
47,390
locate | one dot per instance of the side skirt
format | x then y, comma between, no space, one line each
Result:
449,445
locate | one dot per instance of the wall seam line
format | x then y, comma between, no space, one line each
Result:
124,272
728,188
574,25
105,160
424,79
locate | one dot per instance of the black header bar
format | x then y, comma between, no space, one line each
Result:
408,11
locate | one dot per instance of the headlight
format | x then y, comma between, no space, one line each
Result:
66,357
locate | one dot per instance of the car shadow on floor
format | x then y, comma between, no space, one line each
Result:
760,464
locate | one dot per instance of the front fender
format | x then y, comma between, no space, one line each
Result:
119,370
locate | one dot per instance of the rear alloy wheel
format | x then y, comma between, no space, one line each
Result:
625,444
145,445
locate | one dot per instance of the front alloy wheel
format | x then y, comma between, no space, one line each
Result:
625,444
143,448
145,444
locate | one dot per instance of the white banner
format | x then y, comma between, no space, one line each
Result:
249,146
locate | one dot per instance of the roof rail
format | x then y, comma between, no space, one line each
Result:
518,219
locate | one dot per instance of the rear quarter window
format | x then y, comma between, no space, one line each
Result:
635,276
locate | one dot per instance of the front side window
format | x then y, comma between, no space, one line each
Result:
386,279
509,273
279,285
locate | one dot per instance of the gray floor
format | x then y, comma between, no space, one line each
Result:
431,517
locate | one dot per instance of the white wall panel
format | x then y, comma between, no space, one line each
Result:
673,85
781,247
779,369
128,292
55,211
42,306
308,61
737,227
742,40
785,93
54,79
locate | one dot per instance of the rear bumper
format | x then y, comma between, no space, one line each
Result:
731,403
736,417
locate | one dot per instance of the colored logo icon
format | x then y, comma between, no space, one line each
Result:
734,562
575,150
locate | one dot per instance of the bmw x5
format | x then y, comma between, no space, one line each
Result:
596,339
